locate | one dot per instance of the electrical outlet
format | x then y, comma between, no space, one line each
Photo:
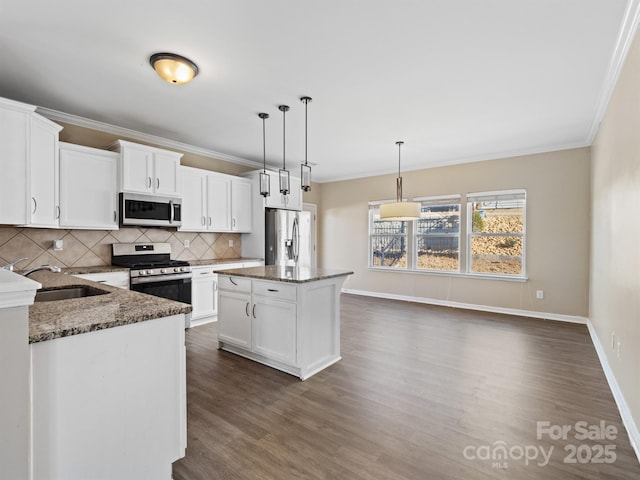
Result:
619,350
230,242
539,294
187,244
58,245
613,340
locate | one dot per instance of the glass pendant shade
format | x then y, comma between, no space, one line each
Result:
265,184
284,181
305,177
173,68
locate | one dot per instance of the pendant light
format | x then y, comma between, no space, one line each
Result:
265,188
283,173
305,169
399,210
173,68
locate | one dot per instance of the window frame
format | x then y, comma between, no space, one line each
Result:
464,237
498,195
374,207
438,201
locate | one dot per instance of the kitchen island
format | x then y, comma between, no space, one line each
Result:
284,317
108,388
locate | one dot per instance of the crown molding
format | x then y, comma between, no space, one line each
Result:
627,33
143,137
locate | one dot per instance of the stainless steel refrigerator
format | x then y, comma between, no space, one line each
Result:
287,238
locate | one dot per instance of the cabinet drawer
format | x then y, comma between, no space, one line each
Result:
277,290
202,272
234,284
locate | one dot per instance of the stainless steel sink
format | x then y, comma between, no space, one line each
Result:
67,293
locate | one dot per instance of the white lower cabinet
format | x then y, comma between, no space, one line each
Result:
235,308
204,295
274,329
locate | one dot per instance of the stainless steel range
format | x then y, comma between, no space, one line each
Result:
153,271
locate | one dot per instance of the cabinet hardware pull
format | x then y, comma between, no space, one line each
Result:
115,216
215,286
35,205
231,280
273,290
149,178
204,273
157,182
58,212
209,221
246,309
204,220
253,310
234,223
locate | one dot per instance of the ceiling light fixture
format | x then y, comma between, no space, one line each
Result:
283,173
305,169
173,68
265,188
399,210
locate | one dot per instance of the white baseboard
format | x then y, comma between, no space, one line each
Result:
472,306
623,407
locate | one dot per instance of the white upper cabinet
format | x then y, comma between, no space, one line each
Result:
29,155
43,168
241,202
148,169
88,187
215,202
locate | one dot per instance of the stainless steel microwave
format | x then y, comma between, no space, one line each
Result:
142,210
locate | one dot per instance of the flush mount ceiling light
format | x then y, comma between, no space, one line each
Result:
399,210
265,188
173,68
305,169
283,173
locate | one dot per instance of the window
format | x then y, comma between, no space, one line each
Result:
482,234
437,234
388,240
496,233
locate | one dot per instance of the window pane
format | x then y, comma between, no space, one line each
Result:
437,253
496,254
498,216
437,242
388,242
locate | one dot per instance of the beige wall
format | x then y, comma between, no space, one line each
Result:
96,139
615,232
557,254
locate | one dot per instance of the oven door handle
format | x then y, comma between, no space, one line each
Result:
160,278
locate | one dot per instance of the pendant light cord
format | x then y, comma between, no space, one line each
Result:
306,103
399,181
264,147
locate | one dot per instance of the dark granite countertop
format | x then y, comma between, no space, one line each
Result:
287,274
62,318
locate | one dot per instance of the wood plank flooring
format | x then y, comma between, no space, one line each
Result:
422,392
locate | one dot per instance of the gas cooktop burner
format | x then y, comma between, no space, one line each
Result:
148,260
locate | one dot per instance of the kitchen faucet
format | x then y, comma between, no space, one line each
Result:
10,266
51,268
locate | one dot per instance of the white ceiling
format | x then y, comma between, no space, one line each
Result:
457,80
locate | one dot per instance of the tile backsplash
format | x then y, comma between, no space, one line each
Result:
88,248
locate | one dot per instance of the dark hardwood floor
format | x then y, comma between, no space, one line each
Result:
422,392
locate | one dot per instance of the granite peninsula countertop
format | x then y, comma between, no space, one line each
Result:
286,274
62,318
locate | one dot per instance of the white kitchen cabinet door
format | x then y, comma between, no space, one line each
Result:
218,203
291,201
234,318
137,169
274,329
147,169
204,293
14,118
166,168
241,219
88,187
294,198
43,153
194,200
